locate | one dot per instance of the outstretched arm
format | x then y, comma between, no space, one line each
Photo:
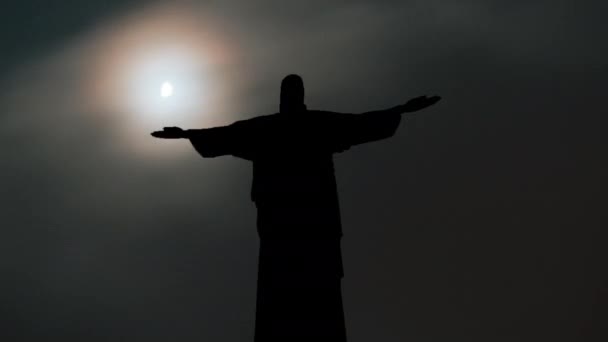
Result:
413,105
233,139
177,133
353,129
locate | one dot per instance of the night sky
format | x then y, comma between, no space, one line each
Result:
483,219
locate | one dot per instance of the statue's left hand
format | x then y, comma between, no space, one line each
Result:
170,133
420,102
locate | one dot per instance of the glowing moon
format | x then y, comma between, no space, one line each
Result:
166,89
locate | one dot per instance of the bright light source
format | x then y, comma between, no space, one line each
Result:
166,89
161,67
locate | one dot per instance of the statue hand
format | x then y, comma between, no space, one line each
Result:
170,133
420,102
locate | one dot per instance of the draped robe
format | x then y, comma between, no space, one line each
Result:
294,189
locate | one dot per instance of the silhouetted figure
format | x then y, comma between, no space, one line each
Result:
294,188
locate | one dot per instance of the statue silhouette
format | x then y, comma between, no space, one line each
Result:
294,189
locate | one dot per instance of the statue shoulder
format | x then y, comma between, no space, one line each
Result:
255,121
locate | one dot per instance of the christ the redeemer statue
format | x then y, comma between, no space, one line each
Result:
294,189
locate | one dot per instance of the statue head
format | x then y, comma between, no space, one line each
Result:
292,94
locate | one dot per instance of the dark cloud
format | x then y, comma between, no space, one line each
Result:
34,27
482,219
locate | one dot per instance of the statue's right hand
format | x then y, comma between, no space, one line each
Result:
170,133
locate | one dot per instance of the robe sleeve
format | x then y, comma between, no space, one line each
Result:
235,139
346,130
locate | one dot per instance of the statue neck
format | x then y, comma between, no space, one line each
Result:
293,109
